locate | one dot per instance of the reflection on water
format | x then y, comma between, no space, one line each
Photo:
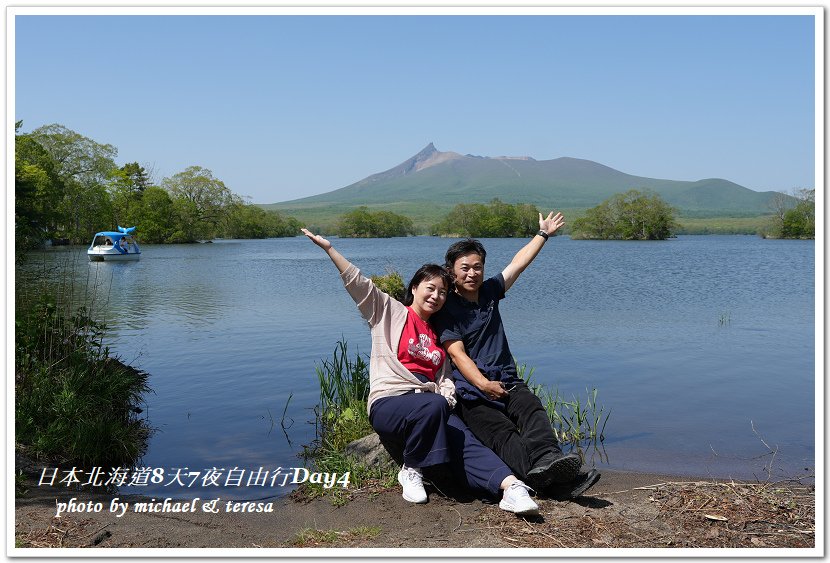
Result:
229,331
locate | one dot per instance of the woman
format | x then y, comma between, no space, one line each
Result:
410,392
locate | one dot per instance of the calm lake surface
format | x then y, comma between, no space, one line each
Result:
701,347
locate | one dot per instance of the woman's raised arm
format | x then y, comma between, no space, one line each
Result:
369,299
335,256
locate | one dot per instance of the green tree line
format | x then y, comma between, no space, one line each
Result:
632,215
495,219
68,186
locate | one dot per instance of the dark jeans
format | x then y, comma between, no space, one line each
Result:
472,461
519,434
416,421
428,433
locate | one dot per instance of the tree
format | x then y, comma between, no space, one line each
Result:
280,225
502,220
388,224
599,221
250,221
137,178
201,200
361,222
127,185
85,168
632,215
779,204
356,223
68,186
496,219
800,221
793,215
38,192
155,215
77,157
527,217
464,220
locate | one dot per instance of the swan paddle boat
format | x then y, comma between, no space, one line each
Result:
114,246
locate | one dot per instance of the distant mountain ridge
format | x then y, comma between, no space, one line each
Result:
444,179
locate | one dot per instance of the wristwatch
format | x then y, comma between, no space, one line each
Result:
543,234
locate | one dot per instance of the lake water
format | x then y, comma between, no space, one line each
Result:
702,348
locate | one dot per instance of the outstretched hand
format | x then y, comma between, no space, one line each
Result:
317,239
551,223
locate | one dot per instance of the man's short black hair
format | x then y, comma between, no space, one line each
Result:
462,248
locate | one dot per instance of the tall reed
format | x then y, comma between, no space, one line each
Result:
573,421
74,401
344,390
341,417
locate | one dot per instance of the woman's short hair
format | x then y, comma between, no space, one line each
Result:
427,272
463,248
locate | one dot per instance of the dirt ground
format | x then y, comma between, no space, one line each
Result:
623,510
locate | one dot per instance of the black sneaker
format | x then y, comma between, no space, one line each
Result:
553,468
575,488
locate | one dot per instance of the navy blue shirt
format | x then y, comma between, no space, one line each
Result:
478,325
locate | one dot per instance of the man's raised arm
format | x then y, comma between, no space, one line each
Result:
525,256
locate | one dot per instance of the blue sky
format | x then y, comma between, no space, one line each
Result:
282,107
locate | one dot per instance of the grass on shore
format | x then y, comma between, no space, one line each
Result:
308,537
723,225
572,421
341,417
74,402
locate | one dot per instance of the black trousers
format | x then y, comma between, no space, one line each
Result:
519,434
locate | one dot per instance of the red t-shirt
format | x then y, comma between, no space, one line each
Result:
418,349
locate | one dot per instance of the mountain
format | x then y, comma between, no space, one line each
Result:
442,179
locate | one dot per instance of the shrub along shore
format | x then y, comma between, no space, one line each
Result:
74,402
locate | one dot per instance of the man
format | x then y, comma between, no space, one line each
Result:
492,399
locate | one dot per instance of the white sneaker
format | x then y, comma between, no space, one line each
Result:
412,482
517,500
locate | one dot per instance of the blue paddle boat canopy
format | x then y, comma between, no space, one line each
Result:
114,246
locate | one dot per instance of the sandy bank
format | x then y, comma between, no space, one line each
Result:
622,510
